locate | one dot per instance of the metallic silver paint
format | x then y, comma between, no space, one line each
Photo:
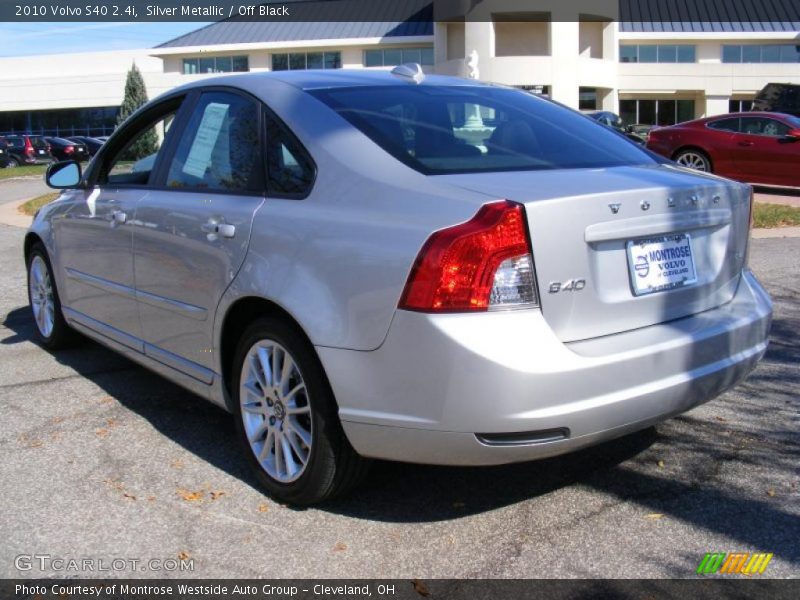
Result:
158,286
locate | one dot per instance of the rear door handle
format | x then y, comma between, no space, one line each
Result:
215,229
745,143
117,217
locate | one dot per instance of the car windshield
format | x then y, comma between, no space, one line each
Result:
468,129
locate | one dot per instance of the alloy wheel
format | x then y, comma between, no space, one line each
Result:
275,411
41,291
693,160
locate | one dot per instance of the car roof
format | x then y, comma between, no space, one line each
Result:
331,78
751,113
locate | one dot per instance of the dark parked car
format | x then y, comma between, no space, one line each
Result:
64,149
615,122
779,97
756,147
28,150
4,157
92,144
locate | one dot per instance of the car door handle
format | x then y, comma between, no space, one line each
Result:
117,217
215,229
745,143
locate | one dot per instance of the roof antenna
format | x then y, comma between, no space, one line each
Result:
410,71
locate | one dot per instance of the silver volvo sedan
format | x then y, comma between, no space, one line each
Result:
390,265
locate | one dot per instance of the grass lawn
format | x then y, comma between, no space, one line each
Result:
31,206
23,171
775,215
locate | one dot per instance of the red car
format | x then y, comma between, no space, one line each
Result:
755,147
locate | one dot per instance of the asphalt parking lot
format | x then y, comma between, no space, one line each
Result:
102,460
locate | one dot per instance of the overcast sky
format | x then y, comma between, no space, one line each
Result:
23,39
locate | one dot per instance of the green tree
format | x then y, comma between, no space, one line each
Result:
135,96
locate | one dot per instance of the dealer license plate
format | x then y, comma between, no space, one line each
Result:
661,263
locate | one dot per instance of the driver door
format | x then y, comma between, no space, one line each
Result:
96,237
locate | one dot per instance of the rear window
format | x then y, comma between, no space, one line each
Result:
38,142
467,129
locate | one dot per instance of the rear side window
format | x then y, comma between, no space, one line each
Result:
38,142
466,129
290,170
219,148
725,124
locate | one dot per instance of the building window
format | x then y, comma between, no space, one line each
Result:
587,98
94,121
390,57
297,61
215,64
656,112
761,53
657,53
740,106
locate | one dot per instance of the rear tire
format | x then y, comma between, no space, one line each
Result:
13,163
52,330
694,159
287,419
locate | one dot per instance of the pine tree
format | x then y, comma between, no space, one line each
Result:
136,96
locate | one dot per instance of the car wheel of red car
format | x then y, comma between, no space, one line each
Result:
694,159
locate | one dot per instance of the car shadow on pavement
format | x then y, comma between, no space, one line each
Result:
392,492
405,493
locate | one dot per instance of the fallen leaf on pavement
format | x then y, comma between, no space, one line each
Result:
215,495
660,464
129,496
191,496
176,464
183,555
101,432
263,507
770,492
654,516
339,547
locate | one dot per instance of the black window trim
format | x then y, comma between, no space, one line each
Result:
268,113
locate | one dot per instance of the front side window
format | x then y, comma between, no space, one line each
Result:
461,129
219,148
133,164
764,126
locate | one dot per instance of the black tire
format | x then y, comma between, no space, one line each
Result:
61,335
13,163
333,467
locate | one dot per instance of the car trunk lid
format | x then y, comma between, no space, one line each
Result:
590,229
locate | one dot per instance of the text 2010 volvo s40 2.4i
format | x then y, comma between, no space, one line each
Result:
387,265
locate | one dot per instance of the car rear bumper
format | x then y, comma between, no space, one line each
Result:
493,388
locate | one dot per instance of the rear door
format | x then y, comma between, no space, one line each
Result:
765,154
193,231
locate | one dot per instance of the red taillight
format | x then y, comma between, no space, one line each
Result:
69,149
459,268
28,147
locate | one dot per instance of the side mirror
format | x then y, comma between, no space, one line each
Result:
63,175
793,134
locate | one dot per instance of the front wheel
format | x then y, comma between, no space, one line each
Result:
287,419
694,159
51,328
